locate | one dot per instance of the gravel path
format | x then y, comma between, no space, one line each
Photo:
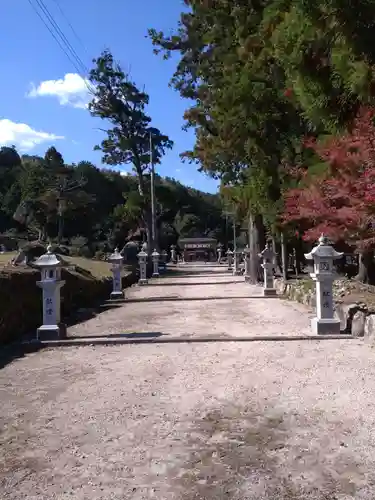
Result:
235,421
234,309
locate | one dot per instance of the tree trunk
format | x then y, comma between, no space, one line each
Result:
366,271
252,249
284,257
60,232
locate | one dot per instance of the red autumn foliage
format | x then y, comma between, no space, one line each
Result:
288,92
341,203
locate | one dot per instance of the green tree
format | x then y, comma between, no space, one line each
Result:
119,101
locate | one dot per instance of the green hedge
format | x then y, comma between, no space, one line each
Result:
21,299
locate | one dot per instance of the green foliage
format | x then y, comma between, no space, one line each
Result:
104,212
262,75
132,139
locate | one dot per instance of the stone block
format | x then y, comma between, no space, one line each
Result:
358,324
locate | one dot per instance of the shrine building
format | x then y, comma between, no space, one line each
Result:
201,249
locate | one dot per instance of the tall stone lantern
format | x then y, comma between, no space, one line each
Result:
142,259
230,259
219,253
323,256
236,267
155,261
116,260
246,256
268,256
173,254
50,283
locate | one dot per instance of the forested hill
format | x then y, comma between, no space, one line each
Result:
93,208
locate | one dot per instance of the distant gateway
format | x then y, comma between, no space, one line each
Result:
203,249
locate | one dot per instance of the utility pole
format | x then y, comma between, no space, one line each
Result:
234,234
153,212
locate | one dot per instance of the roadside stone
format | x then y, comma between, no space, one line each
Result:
369,329
346,313
358,324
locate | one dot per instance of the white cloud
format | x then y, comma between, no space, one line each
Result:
23,136
70,91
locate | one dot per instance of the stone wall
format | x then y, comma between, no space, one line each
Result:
21,299
354,303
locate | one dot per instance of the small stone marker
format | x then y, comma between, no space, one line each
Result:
50,283
155,260
268,256
236,268
323,256
230,259
116,260
246,254
142,258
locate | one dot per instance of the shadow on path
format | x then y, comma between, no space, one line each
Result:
130,335
176,298
195,283
12,352
191,339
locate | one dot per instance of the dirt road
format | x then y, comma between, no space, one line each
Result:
237,421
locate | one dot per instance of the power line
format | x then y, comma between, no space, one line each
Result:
62,40
78,38
61,34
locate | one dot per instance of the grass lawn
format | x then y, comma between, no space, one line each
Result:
6,257
97,268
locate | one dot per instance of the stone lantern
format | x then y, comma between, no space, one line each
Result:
155,261
219,253
236,267
230,259
323,256
116,260
163,261
173,254
50,283
142,259
268,256
246,255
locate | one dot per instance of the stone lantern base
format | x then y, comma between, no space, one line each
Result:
51,332
325,326
142,282
269,292
155,275
116,296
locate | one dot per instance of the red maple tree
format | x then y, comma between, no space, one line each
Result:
341,203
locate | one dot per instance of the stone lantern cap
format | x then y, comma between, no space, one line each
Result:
116,257
229,252
323,250
164,252
48,260
155,253
142,253
267,253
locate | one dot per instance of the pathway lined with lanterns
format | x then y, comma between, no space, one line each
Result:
259,419
196,302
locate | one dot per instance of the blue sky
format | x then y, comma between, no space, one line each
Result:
41,105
